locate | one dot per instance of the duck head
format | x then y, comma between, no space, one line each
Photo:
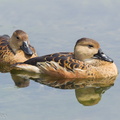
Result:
87,49
19,40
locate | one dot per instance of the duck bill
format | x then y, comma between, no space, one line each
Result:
100,55
26,48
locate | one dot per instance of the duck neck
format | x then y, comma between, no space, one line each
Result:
77,55
12,46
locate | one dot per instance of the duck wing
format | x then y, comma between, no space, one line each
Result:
4,45
62,58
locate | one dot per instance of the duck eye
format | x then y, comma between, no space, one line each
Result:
90,46
17,37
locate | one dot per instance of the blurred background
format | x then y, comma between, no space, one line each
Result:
55,26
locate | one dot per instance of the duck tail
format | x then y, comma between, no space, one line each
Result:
25,67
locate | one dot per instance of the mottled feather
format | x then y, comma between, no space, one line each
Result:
87,61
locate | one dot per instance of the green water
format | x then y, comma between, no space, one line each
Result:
54,26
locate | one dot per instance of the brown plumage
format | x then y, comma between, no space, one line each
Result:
87,61
15,49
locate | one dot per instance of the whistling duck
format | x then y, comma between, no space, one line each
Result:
16,48
87,61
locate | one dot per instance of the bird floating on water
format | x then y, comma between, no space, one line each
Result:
87,61
16,48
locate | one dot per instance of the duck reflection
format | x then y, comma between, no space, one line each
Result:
88,91
4,68
90,96
20,81
22,78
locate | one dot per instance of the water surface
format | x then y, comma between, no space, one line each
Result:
54,26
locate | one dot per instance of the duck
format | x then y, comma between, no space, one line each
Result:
16,48
87,61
